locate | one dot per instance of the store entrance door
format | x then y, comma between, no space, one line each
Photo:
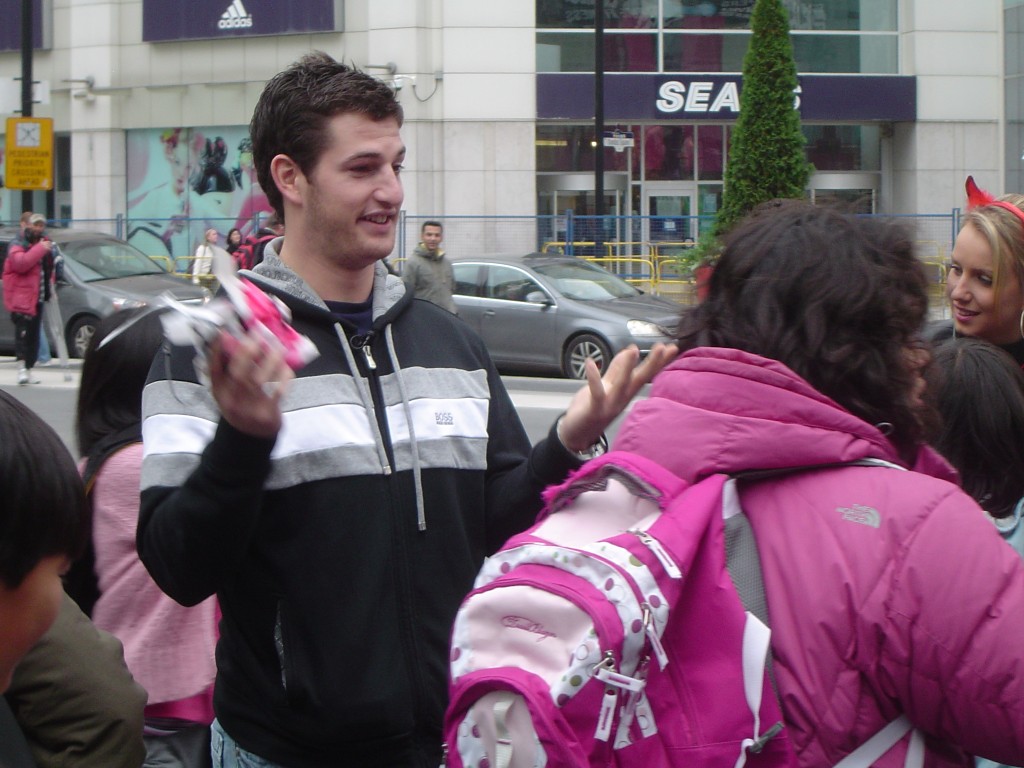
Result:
670,215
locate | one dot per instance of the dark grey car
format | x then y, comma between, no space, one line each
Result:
546,312
102,274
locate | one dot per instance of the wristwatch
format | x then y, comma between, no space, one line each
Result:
592,452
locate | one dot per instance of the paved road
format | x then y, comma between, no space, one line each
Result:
54,398
538,400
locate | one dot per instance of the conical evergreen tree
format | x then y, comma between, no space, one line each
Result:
766,155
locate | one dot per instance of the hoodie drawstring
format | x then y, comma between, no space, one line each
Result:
367,399
421,514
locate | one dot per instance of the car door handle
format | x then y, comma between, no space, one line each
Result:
489,313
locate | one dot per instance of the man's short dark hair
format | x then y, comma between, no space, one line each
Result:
292,113
431,224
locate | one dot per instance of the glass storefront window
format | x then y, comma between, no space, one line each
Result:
630,52
705,52
844,147
574,52
852,15
565,52
669,152
709,36
702,14
579,14
565,14
570,148
827,54
863,54
710,152
709,200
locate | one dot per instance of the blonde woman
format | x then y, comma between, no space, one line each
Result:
202,264
985,282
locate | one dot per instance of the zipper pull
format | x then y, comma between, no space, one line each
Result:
652,636
607,714
613,678
659,552
363,343
370,362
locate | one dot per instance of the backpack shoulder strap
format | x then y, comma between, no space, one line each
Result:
744,565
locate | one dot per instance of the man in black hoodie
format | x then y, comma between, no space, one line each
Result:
341,515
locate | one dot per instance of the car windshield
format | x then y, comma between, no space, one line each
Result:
585,282
103,259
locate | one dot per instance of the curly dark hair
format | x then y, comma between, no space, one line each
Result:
979,391
292,113
839,299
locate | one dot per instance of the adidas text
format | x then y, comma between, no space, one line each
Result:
235,17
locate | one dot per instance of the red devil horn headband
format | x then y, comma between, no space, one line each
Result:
978,197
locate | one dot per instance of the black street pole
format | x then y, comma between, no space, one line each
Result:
599,123
26,80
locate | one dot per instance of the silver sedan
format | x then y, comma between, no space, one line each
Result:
548,312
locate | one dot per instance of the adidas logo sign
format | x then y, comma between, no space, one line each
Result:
235,17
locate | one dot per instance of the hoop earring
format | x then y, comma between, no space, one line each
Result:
1022,323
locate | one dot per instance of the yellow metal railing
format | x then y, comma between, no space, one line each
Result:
647,264
635,270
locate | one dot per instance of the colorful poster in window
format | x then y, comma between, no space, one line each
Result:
163,20
182,181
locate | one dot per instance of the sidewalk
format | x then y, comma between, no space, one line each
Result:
51,376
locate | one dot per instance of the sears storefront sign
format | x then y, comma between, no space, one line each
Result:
718,98
163,20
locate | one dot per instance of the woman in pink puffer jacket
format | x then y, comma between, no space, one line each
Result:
888,590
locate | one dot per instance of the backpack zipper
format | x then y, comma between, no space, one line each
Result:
659,552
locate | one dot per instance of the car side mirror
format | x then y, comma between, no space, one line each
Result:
538,297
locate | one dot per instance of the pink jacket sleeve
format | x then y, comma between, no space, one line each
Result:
20,260
954,650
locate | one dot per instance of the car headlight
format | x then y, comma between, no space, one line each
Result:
122,302
642,328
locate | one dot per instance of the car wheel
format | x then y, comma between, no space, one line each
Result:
574,359
80,334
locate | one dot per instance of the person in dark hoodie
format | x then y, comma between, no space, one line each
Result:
427,273
341,515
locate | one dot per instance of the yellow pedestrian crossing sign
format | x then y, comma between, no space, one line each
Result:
28,153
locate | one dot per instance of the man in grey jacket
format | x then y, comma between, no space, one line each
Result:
427,273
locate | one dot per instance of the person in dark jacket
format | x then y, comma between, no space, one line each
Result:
428,273
340,516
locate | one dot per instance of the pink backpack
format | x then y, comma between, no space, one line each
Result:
611,634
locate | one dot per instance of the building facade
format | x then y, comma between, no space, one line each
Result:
150,100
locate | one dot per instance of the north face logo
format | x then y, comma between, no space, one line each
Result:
235,17
858,513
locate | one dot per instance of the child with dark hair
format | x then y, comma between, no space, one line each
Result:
43,519
168,648
70,697
890,599
979,392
